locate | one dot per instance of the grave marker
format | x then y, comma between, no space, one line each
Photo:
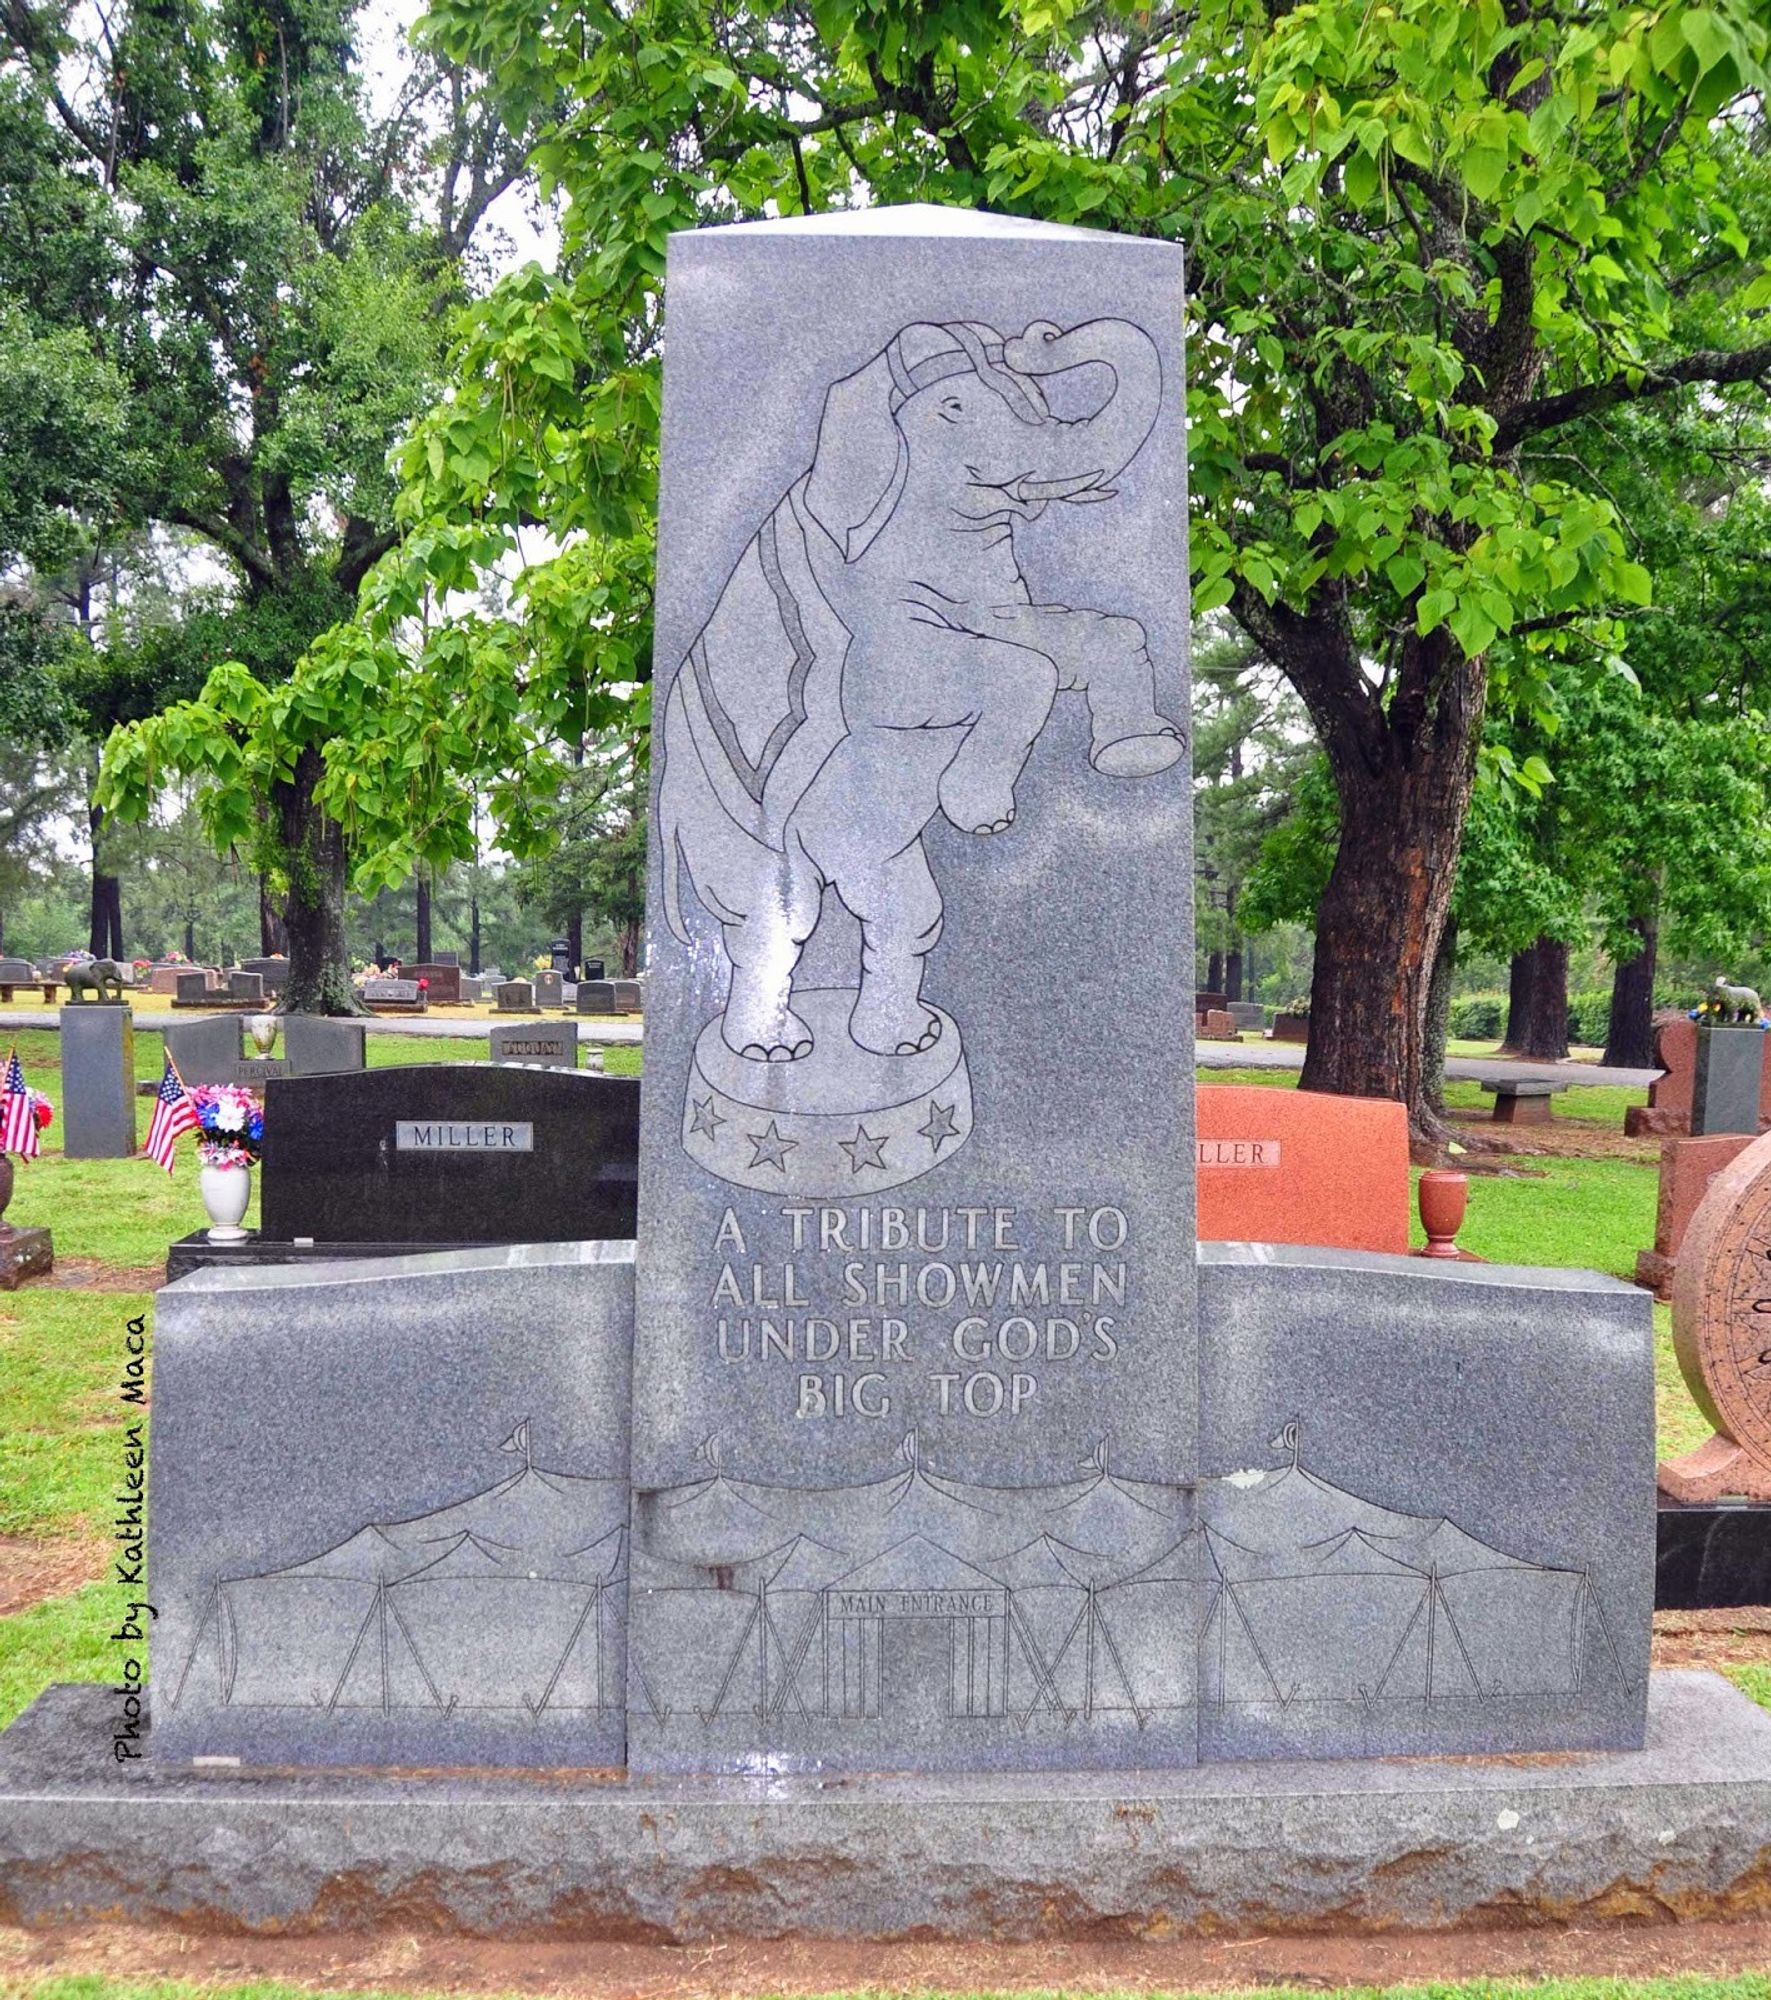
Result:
889,1330
553,1044
98,1083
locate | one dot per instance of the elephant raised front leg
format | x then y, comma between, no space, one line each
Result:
1107,659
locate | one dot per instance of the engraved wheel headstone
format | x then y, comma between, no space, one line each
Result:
1722,1333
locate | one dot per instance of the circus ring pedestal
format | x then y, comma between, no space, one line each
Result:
842,1122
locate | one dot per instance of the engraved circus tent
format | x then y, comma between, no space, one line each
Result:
1100,1598
508,1599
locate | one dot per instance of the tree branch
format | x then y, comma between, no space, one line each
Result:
1548,412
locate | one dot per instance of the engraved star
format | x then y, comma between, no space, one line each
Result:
941,1125
864,1150
706,1120
770,1147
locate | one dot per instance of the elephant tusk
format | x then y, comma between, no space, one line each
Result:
1058,489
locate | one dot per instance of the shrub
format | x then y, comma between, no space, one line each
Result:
1477,1017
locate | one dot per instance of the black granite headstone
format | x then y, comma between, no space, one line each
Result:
1725,1094
450,1153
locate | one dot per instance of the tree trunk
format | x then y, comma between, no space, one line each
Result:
319,964
273,937
575,941
1232,987
1403,787
190,937
1629,1033
630,950
473,935
1438,1025
1541,1031
1214,973
104,937
1519,977
422,920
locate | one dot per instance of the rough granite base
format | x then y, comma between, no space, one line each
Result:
1682,1829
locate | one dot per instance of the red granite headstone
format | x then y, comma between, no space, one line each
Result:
1295,1166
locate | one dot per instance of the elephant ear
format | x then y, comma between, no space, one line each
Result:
862,458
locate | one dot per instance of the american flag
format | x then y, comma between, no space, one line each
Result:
173,1115
18,1113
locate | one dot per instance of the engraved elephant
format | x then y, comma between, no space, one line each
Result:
876,656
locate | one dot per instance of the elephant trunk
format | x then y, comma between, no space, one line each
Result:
1107,441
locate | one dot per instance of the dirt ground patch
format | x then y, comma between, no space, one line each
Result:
1737,1637
89,1274
33,1567
1562,1139
747,1970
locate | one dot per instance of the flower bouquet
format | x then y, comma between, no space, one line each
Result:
230,1122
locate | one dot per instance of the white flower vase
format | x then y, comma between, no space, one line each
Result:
225,1192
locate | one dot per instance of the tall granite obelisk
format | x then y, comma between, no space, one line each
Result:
916,1368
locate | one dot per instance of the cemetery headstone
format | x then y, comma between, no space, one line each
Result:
317,1045
1687,1166
1725,1090
273,971
630,996
380,1575
17,972
593,968
1721,1296
450,1153
246,986
404,993
1248,1014
1290,1027
1518,1617
472,990
545,1042
190,989
550,989
206,1050
448,958
851,1096
491,975
443,983
516,996
561,953
1288,1166
98,1083
1668,1110
596,996
25,1251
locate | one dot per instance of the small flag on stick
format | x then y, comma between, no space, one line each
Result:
18,1113
174,1115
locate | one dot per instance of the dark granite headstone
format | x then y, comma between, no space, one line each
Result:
17,972
596,996
206,1050
451,1153
273,971
98,1083
593,968
555,1044
246,986
319,1046
561,953
516,996
1725,1092
443,982
448,958
396,990
550,989
630,996
191,988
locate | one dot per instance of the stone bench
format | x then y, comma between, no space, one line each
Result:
1523,1100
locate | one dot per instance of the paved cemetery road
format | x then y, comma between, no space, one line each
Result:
595,1030
1480,1069
602,1033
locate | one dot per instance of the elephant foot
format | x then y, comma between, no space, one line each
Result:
1140,755
890,1030
977,808
765,1034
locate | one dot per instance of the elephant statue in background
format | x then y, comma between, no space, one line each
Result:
876,657
94,979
